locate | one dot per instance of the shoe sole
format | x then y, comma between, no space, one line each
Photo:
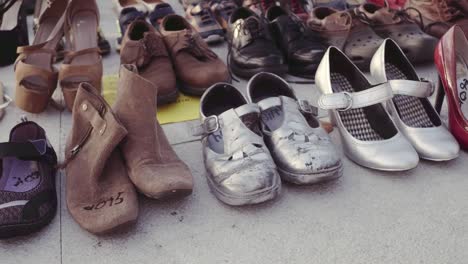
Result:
187,89
167,99
214,39
249,72
265,195
307,72
308,179
169,195
14,230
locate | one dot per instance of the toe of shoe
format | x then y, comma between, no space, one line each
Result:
158,181
247,182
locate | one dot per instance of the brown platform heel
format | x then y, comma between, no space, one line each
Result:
152,164
99,194
36,77
82,62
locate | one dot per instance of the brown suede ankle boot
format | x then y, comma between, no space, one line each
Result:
100,196
152,164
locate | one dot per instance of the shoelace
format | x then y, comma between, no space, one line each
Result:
250,27
256,32
402,14
152,47
298,28
195,47
405,15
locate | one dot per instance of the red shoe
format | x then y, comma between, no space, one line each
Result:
451,58
392,4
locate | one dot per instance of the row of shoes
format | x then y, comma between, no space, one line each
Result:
251,144
277,41
173,57
130,153
435,17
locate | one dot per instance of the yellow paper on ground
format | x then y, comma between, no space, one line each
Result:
184,109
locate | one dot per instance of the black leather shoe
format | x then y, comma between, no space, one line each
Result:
301,48
251,48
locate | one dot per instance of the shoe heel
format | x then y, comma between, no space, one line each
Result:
31,101
440,95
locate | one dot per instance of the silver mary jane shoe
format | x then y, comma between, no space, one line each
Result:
410,109
302,150
368,135
240,168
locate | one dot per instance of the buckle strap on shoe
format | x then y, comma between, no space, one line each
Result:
421,89
307,108
343,101
209,125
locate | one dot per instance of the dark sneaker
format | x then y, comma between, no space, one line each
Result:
28,199
251,47
103,44
203,20
302,48
158,11
126,17
223,9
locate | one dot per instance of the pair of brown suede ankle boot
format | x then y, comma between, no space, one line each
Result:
174,56
112,151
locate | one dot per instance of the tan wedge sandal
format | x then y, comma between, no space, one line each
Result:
36,77
83,62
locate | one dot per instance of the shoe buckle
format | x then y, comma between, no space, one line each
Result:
432,86
307,108
349,98
211,124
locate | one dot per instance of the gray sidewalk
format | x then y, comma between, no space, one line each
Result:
367,216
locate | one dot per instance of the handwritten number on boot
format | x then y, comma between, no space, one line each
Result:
111,201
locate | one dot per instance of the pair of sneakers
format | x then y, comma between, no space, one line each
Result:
248,144
129,11
209,18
